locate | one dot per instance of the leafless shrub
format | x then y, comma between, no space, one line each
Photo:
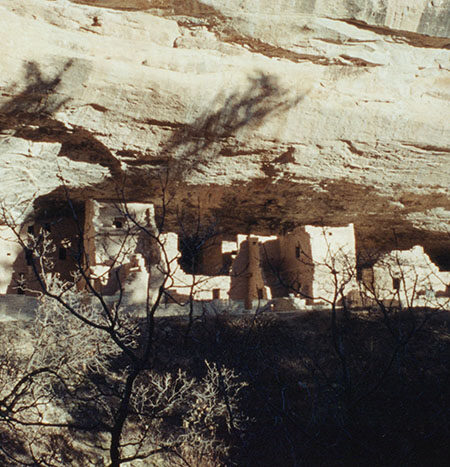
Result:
70,378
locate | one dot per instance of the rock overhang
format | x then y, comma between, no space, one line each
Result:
330,122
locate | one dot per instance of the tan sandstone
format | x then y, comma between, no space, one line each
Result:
269,115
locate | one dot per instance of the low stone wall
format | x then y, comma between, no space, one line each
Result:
17,307
173,309
22,307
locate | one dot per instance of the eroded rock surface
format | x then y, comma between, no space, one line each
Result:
266,114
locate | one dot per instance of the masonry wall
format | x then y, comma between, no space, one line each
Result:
333,254
272,266
183,285
309,262
247,277
120,252
110,236
298,263
211,261
17,275
411,278
10,251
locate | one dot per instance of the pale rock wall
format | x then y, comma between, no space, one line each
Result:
271,114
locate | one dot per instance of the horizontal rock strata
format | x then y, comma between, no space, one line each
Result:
264,115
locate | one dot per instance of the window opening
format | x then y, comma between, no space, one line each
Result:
62,253
216,294
28,256
118,222
396,283
359,274
297,251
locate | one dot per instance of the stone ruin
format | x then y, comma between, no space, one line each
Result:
307,267
407,277
293,113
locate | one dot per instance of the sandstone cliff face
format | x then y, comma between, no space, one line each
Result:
266,114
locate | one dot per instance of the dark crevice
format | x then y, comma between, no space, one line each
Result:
412,38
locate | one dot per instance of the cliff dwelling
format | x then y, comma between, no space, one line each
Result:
61,236
224,232
120,251
274,126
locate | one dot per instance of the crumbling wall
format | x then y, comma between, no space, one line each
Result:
119,246
59,235
183,286
410,278
121,252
